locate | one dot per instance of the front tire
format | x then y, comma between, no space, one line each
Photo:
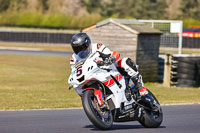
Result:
101,118
150,118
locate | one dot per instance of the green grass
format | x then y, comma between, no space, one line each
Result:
38,82
174,95
165,50
34,82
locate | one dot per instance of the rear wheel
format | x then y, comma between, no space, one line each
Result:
151,118
100,117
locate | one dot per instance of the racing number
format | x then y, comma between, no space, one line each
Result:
79,71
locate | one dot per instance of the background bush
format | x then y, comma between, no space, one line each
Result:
35,19
191,23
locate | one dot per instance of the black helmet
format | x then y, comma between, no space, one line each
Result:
80,42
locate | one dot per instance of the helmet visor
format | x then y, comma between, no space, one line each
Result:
77,49
84,53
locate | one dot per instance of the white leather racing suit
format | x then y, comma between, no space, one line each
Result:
125,63
94,47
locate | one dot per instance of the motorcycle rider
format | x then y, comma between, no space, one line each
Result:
82,47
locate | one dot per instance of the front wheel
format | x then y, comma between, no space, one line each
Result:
152,118
100,117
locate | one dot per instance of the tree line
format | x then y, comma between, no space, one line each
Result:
82,13
143,9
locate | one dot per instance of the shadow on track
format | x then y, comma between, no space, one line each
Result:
121,127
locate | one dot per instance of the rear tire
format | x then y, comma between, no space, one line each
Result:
151,119
102,119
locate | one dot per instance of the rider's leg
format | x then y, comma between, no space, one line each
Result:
131,70
129,67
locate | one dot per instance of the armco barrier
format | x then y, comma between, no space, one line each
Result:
171,40
191,42
35,37
46,37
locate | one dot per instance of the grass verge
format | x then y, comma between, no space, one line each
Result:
38,82
174,95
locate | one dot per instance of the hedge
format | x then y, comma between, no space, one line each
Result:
34,19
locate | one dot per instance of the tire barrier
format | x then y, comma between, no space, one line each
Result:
185,71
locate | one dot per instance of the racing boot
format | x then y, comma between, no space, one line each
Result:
145,98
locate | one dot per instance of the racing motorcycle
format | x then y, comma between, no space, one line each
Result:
109,97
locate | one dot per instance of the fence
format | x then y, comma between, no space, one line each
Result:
171,37
35,37
172,32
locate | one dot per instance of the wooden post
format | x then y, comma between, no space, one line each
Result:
167,70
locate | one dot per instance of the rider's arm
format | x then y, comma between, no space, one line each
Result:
105,50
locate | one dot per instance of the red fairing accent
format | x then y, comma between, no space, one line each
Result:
110,82
119,77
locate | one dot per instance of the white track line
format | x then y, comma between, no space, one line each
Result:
41,109
82,108
179,104
23,49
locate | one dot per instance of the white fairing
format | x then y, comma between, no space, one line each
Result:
87,70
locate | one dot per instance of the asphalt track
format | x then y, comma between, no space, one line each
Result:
34,52
177,119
